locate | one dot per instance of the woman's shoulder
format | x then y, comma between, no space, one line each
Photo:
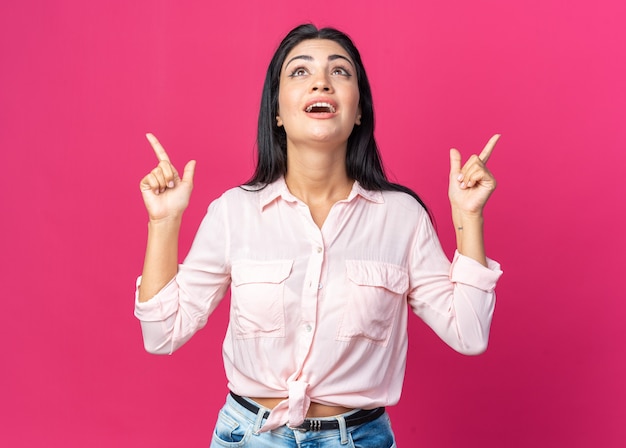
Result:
239,191
403,201
243,194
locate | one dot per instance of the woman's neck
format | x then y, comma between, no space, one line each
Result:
318,176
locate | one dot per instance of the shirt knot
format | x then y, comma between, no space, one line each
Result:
291,411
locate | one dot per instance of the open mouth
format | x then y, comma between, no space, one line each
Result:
320,107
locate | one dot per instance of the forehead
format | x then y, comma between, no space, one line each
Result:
317,49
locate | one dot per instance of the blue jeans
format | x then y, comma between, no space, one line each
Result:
238,427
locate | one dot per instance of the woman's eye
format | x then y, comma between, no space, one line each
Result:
341,71
298,72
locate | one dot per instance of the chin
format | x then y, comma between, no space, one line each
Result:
324,134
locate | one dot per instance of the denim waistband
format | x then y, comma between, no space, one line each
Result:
354,418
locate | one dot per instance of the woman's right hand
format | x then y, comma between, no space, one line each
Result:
164,193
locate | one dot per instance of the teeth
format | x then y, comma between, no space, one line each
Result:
321,105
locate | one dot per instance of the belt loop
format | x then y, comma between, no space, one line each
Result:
343,432
258,422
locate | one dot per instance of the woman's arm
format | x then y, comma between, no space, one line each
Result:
469,189
166,197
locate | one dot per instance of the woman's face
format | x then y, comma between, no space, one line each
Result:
318,100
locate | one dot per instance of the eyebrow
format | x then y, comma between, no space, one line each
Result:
331,58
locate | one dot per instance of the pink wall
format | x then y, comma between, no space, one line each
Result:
80,84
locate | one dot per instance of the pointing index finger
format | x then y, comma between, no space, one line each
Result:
158,149
488,149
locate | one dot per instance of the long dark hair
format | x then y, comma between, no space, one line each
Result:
363,162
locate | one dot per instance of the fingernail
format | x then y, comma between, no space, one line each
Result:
170,184
462,184
459,177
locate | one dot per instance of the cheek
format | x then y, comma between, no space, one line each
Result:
286,103
356,104
354,97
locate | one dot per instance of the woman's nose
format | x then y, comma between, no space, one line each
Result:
321,84
322,87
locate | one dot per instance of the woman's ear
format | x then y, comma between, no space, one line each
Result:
279,121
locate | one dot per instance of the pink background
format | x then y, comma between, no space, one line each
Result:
82,81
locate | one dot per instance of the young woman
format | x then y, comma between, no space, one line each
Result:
322,254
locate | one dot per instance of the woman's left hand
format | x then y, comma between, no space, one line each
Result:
471,185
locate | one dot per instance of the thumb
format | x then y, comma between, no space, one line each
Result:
188,171
455,162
